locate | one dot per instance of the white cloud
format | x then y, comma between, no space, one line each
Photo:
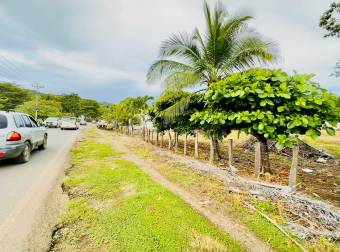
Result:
96,43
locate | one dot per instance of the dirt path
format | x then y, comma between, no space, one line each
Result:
238,231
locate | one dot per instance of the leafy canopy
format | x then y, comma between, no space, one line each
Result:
129,108
270,104
181,123
330,20
12,95
47,108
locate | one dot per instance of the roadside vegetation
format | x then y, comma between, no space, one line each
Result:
14,97
114,206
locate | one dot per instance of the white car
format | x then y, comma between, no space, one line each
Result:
69,123
19,135
51,122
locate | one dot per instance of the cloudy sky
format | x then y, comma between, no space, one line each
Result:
102,49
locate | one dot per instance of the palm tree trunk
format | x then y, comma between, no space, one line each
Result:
162,139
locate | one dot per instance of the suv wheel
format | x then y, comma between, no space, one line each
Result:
25,155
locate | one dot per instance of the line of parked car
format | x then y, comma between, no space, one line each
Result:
64,123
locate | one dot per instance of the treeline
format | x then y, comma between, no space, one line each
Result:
268,104
12,96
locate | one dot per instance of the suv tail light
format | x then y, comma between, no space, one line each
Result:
14,136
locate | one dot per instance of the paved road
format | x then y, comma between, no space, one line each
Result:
17,179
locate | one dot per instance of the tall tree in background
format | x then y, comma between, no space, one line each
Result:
47,108
193,60
330,21
90,109
14,95
71,104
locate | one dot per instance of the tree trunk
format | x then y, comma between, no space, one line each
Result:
162,140
185,144
230,152
214,150
176,140
264,155
170,140
157,137
196,144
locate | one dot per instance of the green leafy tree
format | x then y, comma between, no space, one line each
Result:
3,101
90,109
196,60
71,104
180,124
131,108
270,104
330,20
14,95
47,108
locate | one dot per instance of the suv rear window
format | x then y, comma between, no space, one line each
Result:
3,122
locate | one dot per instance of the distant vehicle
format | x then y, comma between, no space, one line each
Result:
102,124
69,123
51,122
19,135
83,122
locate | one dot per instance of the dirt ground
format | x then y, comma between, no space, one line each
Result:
323,183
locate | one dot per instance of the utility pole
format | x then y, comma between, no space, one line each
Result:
37,87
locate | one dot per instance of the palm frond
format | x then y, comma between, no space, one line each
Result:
182,45
180,80
160,68
177,109
247,52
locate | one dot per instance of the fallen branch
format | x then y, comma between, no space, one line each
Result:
276,225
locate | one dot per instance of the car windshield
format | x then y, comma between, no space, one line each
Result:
69,119
51,119
3,122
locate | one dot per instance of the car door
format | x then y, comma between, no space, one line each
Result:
37,131
30,133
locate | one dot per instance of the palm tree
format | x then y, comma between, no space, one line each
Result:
191,60
194,61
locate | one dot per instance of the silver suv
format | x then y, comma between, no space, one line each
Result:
19,135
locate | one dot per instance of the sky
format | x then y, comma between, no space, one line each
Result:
102,49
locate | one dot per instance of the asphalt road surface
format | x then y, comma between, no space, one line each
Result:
21,184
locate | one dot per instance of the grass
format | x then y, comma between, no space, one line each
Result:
327,143
214,189
115,206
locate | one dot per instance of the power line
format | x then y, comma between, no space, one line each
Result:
11,67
